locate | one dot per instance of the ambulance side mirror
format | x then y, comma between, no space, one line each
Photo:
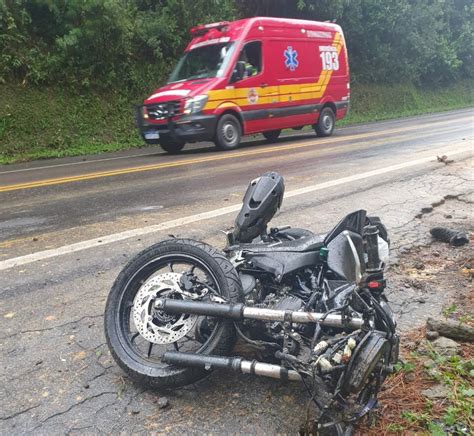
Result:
239,71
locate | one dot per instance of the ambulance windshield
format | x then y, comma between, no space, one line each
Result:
203,62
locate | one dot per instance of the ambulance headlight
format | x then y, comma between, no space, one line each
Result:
195,104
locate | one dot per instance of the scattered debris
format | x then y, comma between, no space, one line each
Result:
163,402
453,237
450,329
444,159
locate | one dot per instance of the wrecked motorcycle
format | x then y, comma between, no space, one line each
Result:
313,305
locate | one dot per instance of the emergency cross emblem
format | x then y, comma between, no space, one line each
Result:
290,58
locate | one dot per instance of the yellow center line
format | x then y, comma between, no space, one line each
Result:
217,157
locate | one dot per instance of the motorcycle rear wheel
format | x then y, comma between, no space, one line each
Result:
131,349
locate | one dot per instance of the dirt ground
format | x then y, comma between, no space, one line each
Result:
432,274
438,279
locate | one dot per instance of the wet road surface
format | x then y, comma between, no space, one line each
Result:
56,373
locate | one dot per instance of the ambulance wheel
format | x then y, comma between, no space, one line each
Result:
228,132
326,122
272,135
171,146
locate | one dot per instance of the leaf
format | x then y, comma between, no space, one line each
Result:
436,430
468,392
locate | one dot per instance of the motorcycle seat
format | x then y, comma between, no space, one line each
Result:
302,245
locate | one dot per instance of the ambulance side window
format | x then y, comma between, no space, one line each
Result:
251,57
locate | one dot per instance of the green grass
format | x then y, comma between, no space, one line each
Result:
46,123
455,411
38,124
376,102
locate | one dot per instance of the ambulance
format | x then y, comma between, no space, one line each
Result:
256,75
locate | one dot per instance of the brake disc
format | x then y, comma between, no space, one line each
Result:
156,325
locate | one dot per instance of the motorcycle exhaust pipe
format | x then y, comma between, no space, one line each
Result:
237,364
239,312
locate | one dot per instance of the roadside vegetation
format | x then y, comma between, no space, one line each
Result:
70,71
431,391
49,122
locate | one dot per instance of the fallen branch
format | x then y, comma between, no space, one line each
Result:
451,329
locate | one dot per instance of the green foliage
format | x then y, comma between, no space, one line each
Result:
99,44
77,66
404,367
132,44
436,429
448,311
395,428
420,41
37,123
379,102
454,372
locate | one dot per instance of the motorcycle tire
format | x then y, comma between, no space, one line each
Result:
153,373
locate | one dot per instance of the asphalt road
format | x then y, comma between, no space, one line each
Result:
68,226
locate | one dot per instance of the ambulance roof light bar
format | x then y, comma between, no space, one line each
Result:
202,29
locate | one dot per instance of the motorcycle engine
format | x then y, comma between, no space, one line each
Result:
289,302
291,340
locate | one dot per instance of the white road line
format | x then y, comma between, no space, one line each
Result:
104,240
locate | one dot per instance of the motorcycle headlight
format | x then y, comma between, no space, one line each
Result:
195,104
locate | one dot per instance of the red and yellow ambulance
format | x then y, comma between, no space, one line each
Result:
257,75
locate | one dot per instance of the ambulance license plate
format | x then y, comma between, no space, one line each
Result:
152,135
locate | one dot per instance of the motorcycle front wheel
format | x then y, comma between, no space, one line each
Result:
138,333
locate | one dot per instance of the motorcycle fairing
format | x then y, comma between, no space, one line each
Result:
341,258
353,222
281,263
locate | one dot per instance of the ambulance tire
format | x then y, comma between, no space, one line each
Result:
170,146
326,122
228,132
272,135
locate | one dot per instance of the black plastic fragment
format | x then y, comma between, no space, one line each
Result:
452,237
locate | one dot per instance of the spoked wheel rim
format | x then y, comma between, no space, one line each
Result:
145,332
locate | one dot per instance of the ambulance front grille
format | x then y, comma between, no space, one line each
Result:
161,111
